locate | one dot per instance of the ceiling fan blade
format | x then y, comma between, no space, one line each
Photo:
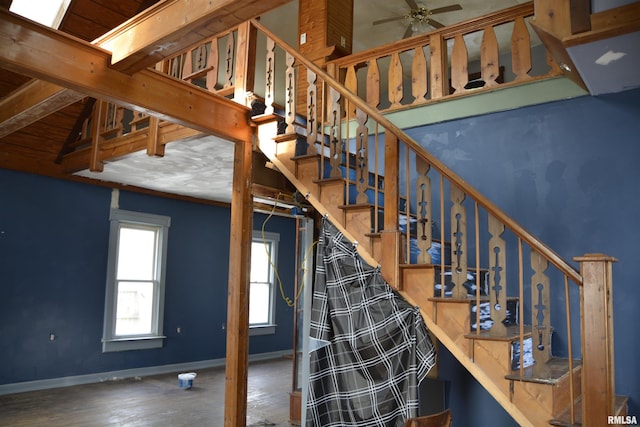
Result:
382,21
435,24
408,32
444,9
412,4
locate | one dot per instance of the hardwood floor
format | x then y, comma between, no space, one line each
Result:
154,401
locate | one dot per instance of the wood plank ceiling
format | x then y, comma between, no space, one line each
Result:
35,147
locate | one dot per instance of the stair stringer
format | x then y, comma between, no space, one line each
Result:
266,133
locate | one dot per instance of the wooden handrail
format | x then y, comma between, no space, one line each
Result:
450,31
498,213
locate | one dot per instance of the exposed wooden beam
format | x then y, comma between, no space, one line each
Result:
31,102
31,49
173,25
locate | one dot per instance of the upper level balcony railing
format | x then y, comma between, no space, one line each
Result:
449,62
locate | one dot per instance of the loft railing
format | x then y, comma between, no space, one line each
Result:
437,65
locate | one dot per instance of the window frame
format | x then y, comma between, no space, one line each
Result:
267,328
110,341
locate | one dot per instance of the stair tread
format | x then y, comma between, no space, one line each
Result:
470,299
564,419
551,373
264,118
512,333
306,156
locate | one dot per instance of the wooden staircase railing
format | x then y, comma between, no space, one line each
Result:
439,242
385,192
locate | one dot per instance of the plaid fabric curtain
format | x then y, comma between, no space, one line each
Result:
369,347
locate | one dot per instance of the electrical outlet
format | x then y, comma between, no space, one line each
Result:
343,41
179,330
303,38
52,337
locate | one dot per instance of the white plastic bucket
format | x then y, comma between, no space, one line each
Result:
185,381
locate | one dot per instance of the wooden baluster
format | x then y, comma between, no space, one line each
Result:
270,76
200,54
497,276
312,112
229,60
109,118
373,83
351,83
187,68
459,59
212,63
423,210
489,57
520,50
438,66
335,142
290,103
396,92
95,162
458,242
119,120
540,312
554,67
176,67
362,157
419,86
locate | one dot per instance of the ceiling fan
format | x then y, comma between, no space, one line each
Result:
419,17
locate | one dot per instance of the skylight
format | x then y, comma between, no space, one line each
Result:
46,12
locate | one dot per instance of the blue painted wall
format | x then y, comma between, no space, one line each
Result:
54,238
568,172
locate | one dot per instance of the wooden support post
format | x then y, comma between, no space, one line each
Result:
439,76
245,62
154,147
596,312
237,362
391,236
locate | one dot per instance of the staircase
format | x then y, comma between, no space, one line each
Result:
486,287
448,250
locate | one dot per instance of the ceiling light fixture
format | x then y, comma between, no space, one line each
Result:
419,19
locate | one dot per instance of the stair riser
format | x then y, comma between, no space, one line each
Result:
307,172
285,151
494,358
358,222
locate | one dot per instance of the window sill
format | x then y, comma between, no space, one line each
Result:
135,343
262,330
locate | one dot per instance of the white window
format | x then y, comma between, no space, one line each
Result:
134,303
262,294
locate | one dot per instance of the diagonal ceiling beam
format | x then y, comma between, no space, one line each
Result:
31,49
172,24
31,102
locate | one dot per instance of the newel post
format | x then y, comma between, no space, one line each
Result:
596,312
390,235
